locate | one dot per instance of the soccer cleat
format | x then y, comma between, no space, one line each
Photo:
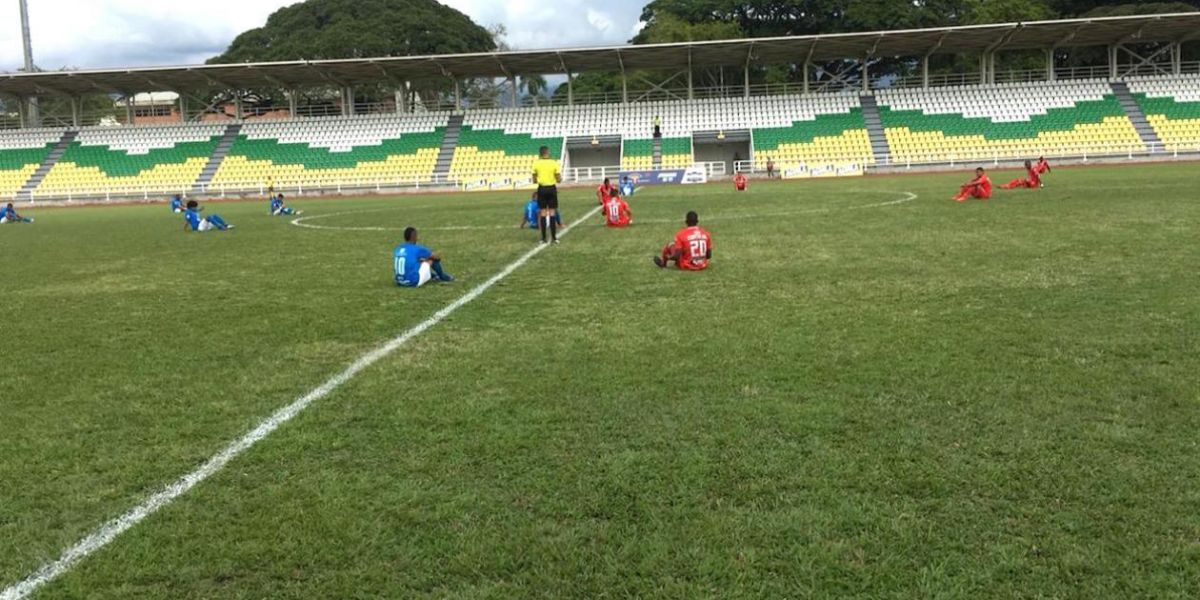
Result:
658,262
229,227
555,242
447,278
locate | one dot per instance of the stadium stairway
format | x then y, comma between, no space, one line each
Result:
26,193
445,158
656,152
1140,123
218,156
875,132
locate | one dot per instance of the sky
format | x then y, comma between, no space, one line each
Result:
118,33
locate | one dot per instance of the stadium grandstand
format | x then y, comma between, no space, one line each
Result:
1138,105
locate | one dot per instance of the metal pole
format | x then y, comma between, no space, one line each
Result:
183,108
570,90
457,95
291,94
1177,59
128,109
925,72
513,90
1050,64
1112,62
75,117
746,80
866,76
807,68
33,116
237,107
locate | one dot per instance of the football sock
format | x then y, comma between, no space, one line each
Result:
553,229
542,226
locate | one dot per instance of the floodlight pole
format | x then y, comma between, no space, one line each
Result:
34,118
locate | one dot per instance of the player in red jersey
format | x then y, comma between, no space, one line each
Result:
692,248
605,191
739,182
616,212
980,187
1042,167
1033,182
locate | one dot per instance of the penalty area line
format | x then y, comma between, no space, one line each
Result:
106,533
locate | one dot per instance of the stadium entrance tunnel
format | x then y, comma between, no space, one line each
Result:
593,152
722,146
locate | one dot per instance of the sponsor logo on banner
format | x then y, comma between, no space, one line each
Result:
850,170
695,175
663,177
795,172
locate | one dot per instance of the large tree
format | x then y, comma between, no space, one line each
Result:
329,29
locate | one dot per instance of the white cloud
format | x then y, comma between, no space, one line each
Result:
114,33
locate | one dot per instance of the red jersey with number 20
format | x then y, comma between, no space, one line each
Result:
694,244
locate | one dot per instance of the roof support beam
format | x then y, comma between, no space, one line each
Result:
624,79
570,84
746,71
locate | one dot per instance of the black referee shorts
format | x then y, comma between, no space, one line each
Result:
547,197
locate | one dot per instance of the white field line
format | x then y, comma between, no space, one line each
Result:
305,221
106,533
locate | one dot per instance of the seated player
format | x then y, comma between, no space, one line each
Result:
1042,167
278,209
692,248
416,265
1033,182
176,204
529,217
192,219
616,213
605,191
627,188
739,182
980,187
9,215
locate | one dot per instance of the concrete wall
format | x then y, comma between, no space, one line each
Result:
725,152
594,157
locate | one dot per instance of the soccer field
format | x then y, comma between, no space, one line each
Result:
873,392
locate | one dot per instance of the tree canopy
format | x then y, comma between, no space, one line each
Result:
327,29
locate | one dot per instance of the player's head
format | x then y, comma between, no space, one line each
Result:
979,171
1041,159
280,196
533,196
544,151
9,205
607,182
192,204
410,235
1028,164
692,219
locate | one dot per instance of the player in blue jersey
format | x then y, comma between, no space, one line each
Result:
530,217
176,204
416,265
193,221
9,215
627,188
278,209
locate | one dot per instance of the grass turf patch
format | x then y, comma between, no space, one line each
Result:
990,399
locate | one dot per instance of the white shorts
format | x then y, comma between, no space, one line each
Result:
177,211
3,220
425,275
206,226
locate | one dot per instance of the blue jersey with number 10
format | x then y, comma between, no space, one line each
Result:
407,260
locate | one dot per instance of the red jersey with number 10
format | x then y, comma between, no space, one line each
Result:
616,212
694,245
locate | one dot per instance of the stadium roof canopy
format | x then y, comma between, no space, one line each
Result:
1073,33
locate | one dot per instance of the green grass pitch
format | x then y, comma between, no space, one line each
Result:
865,396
